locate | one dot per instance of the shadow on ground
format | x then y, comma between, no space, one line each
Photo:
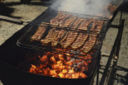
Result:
5,14
9,51
28,2
119,77
6,10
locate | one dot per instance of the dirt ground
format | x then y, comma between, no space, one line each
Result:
28,12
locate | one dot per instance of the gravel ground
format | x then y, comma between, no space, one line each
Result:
30,12
26,13
122,71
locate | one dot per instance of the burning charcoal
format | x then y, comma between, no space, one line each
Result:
46,71
53,72
61,75
61,67
82,75
72,60
68,58
60,56
44,58
68,76
74,65
64,71
52,59
43,65
67,54
78,61
55,66
85,63
69,63
83,68
58,64
33,68
71,71
76,69
75,75
89,61
89,57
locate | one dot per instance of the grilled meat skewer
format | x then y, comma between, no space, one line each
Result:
69,21
84,25
89,44
51,34
55,41
93,26
79,41
59,19
40,31
99,26
77,22
71,36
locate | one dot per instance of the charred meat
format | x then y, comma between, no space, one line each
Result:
84,25
71,36
56,40
79,41
59,19
51,34
39,32
77,22
99,26
89,43
69,21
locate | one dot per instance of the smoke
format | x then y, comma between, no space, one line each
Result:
90,7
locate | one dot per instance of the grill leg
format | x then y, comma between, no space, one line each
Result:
98,65
114,51
115,60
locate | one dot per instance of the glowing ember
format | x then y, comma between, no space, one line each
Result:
62,63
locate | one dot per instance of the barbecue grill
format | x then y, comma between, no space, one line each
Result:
25,42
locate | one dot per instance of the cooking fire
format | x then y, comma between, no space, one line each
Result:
71,40
62,63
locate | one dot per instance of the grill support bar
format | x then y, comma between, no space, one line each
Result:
114,52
